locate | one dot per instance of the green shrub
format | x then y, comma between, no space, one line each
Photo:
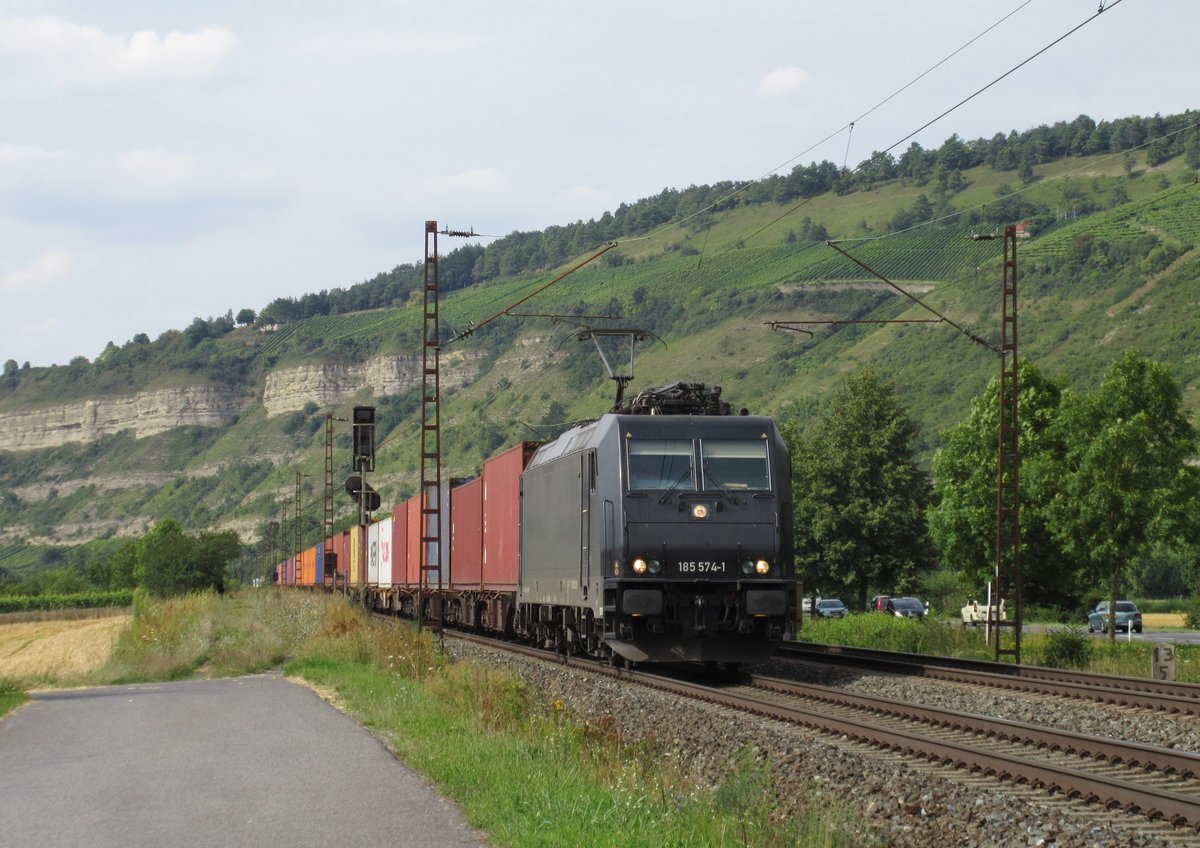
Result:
872,630
1068,647
80,600
1192,613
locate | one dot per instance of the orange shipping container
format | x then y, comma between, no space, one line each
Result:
466,535
502,515
412,569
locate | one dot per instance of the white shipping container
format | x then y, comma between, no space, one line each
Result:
373,554
385,551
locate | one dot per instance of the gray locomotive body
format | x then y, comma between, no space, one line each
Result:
659,538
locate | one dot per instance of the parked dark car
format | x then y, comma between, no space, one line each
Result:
1127,616
905,608
831,608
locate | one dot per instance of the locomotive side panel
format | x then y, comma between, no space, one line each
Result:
556,531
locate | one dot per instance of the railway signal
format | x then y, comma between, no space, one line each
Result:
364,438
362,493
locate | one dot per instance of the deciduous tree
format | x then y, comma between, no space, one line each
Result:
1125,482
962,520
859,495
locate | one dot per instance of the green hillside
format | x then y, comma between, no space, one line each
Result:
1110,264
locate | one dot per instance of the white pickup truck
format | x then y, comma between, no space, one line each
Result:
975,614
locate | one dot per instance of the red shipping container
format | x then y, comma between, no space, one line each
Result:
502,515
344,557
466,535
399,544
412,569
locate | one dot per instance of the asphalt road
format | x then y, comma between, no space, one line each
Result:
246,761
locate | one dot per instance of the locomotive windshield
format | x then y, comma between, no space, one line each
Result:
735,464
661,464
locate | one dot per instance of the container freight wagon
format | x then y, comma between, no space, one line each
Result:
466,536
354,570
399,562
373,554
308,567
329,560
383,577
502,516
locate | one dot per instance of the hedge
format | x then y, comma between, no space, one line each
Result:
82,600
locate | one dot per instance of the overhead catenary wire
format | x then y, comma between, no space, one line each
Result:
845,172
1007,73
843,128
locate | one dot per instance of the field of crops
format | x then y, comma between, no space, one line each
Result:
1173,213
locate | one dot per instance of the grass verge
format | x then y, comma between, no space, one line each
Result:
524,772
1057,647
11,696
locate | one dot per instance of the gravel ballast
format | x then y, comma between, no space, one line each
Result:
897,801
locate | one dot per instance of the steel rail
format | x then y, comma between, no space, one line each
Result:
1134,754
1166,696
1154,803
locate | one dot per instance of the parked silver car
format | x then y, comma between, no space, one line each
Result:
1127,616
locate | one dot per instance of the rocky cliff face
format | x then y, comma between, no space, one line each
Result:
285,390
328,384
146,413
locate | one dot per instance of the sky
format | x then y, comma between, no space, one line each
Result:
162,160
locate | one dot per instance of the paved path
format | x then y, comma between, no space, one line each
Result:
245,761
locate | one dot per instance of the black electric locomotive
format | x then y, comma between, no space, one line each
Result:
660,532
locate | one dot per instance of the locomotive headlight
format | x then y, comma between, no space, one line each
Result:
747,567
762,566
639,566
700,511
655,566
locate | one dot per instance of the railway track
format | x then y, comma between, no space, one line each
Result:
1166,696
1157,783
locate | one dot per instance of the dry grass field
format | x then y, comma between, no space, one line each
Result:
46,653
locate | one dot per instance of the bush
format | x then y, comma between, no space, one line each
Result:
1069,647
872,630
80,600
1192,613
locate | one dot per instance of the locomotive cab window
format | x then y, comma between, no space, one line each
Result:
661,464
738,464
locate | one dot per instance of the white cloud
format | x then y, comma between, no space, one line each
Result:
79,54
783,81
24,154
42,273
